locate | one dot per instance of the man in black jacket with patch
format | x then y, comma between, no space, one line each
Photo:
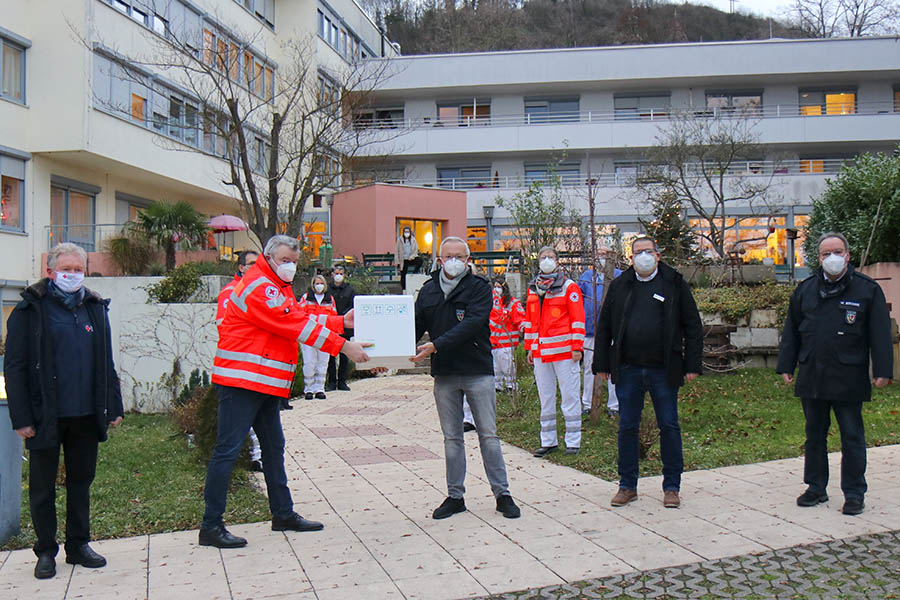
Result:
837,318
454,307
63,391
649,338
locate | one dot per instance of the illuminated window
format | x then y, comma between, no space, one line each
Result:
12,192
896,100
138,106
812,166
234,61
827,102
464,114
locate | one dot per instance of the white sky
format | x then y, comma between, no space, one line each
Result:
766,8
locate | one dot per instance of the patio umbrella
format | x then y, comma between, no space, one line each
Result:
224,223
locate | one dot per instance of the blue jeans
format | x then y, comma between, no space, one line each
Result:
240,409
633,383
853,446
482,399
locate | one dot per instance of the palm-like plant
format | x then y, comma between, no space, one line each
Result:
167,224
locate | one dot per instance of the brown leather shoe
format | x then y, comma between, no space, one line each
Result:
671,499
623,497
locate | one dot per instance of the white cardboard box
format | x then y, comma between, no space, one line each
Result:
389,323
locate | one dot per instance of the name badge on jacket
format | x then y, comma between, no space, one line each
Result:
658,297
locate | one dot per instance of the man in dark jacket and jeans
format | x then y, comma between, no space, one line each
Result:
343,294
63,391
649,339
836,319
454,307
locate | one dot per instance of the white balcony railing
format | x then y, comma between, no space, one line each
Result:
91,237
745,168
768,111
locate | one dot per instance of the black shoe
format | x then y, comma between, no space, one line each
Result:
544,451
449,507
342,386
295,523
585,412
45,567
573,450
810,498
506,506
220,538
85,557
256,466
308,395
853,506
468,426
330,387
286,404
320,395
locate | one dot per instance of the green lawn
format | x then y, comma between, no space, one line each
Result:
746,417
148,481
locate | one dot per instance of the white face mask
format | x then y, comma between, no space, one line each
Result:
286,271
601,262
407,234
69,282
645,262
834,264
319,288
338,278
454,267
548,265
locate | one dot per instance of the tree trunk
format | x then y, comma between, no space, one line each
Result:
170,256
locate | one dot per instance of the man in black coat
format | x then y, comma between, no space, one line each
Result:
343,293
453,307
837,318
63,391
649,338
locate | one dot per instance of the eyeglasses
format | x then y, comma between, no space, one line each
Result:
462,257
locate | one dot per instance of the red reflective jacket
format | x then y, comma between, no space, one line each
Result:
222,300
506,322
259,336
554,328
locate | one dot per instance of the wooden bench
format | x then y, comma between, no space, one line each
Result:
506,261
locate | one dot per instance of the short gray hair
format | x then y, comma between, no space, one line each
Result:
456,240
833,234
551,249
644,238
277,241
65,248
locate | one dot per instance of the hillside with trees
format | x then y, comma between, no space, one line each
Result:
436,26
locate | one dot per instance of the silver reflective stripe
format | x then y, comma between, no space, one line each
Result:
548,427
320,340
573,427
252,377
578,337
255,359
577,324
551,351
307,330
530,335
495,325
551,416
322,320
526,324
276,301
241,300
556,338
219,322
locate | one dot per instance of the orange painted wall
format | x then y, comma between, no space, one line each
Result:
363,220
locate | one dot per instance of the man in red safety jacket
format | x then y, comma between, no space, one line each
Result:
554,340
252,370
246,259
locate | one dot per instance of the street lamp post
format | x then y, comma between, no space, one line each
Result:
488,210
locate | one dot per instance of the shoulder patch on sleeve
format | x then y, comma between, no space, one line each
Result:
271,292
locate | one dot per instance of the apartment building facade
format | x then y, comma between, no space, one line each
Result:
92,131
492,123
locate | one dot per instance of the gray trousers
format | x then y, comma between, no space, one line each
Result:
448,397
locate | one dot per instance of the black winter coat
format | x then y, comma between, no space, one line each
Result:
832,339
31,373
457,325
682,329
343,300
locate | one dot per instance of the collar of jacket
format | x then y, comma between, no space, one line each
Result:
37,291
436,278
665,271
557,283
266,269
326,296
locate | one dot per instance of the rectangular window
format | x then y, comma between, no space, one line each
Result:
464,178
808,165
568,173
379,118
896,100
641,107
138,16
12,194
190,124
744,103
259,81
209,45
324,24
234,62
827,102
138,107
464,114
544,110
270,84
72,217
12,71
160,25
176,109
248,70
222,55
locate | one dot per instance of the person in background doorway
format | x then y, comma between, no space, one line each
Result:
63,392
343,293
246,259
837,319
407,254
316,302
592,313
507,319
554,340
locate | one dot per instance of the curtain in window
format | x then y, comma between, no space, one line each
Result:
12,72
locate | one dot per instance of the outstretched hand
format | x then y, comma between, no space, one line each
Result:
788,377
348,319
424,351
354,351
